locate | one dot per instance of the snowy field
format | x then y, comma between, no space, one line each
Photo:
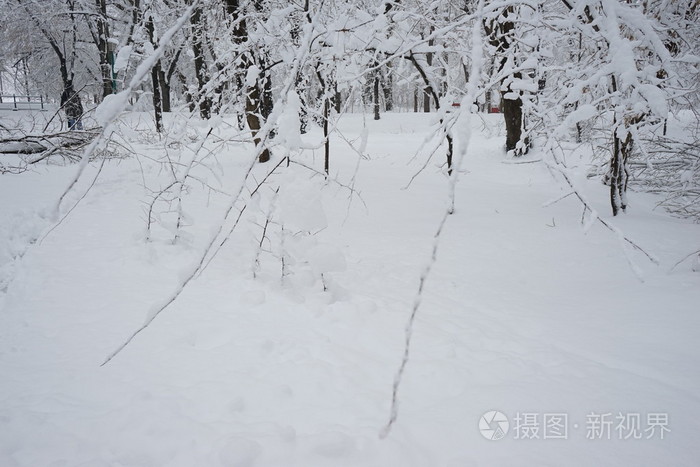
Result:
285,355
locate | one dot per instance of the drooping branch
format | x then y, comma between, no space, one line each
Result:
425,274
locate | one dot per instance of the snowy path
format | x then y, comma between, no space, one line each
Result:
524,313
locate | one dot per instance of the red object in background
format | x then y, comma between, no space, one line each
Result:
456,104
495,110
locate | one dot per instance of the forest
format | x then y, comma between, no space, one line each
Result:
349,232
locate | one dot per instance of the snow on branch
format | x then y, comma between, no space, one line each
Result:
217,240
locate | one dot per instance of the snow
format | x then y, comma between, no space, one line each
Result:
110,107
584,112
524,312
252,75
20,147
122,60
301,206
288,125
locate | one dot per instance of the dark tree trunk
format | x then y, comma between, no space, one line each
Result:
327,143
415,100
465,70
303,114
621,152
389,92
68,95
375,95
619,172
103,47
325,90
579,55
135,7
199,63
157,107
428,90
191,105
156,71
499,32
253,94
513,116
266,103
579,132
337,98
217,95
252,106
165,78
186,91
164,84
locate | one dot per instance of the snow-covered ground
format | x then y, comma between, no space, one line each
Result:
524,313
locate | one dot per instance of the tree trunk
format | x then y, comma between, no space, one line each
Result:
499,32
199,63
164,84
622,149
618,172
156,71
186,91
513,116
337,98
266,102
375,95
157,108
299,81
326,144
325,90
389,91
621,152
254,106
428,90
103,47
450,151
303,114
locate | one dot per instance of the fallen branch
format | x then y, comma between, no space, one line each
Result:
689,255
